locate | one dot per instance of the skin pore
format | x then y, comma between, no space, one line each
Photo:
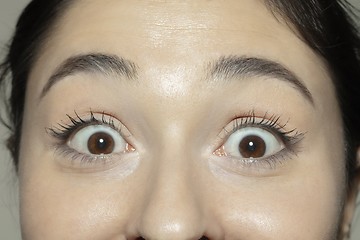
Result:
176,175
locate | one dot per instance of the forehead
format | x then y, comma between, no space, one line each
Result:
155,30
173,40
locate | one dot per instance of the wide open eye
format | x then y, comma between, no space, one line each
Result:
252,142
98,140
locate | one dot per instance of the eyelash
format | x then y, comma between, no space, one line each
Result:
62,132
272,124
291,138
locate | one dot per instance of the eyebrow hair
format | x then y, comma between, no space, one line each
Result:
222,70
92,63
230,67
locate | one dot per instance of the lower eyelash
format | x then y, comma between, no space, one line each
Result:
270,162
272,124
62,132
82,158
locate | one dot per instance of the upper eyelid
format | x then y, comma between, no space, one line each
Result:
273,124
65,130
251,119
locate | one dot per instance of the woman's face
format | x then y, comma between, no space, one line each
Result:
177,120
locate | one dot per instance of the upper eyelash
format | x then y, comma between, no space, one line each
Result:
272,124
290,138
63,131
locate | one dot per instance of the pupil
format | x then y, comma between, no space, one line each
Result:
252,147
101,143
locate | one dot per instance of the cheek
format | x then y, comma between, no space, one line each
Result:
54,206
281,210
308,193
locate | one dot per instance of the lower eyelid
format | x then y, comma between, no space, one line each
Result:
70,157
262,167
87,164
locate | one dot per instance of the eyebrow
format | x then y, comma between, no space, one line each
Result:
222,70
91,63
227,68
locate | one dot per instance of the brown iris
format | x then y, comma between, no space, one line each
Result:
252,147
101,143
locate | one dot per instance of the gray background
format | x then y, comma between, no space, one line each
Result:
9,220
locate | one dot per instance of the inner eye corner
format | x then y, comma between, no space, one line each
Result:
220,151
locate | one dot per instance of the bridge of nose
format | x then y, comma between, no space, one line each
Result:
172,207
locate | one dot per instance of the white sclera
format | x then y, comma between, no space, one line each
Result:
272,144
80,140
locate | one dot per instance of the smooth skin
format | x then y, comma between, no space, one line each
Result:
176,180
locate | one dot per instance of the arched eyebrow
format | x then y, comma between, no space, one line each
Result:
92,63
222,70
232,67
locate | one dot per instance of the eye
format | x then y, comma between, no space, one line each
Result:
98,140
252,142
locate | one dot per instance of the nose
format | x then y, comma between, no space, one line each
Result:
172,208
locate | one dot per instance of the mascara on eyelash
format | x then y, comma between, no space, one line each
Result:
63,131
271,124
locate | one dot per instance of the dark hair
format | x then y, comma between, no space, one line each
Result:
325,25
32,29
328,28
